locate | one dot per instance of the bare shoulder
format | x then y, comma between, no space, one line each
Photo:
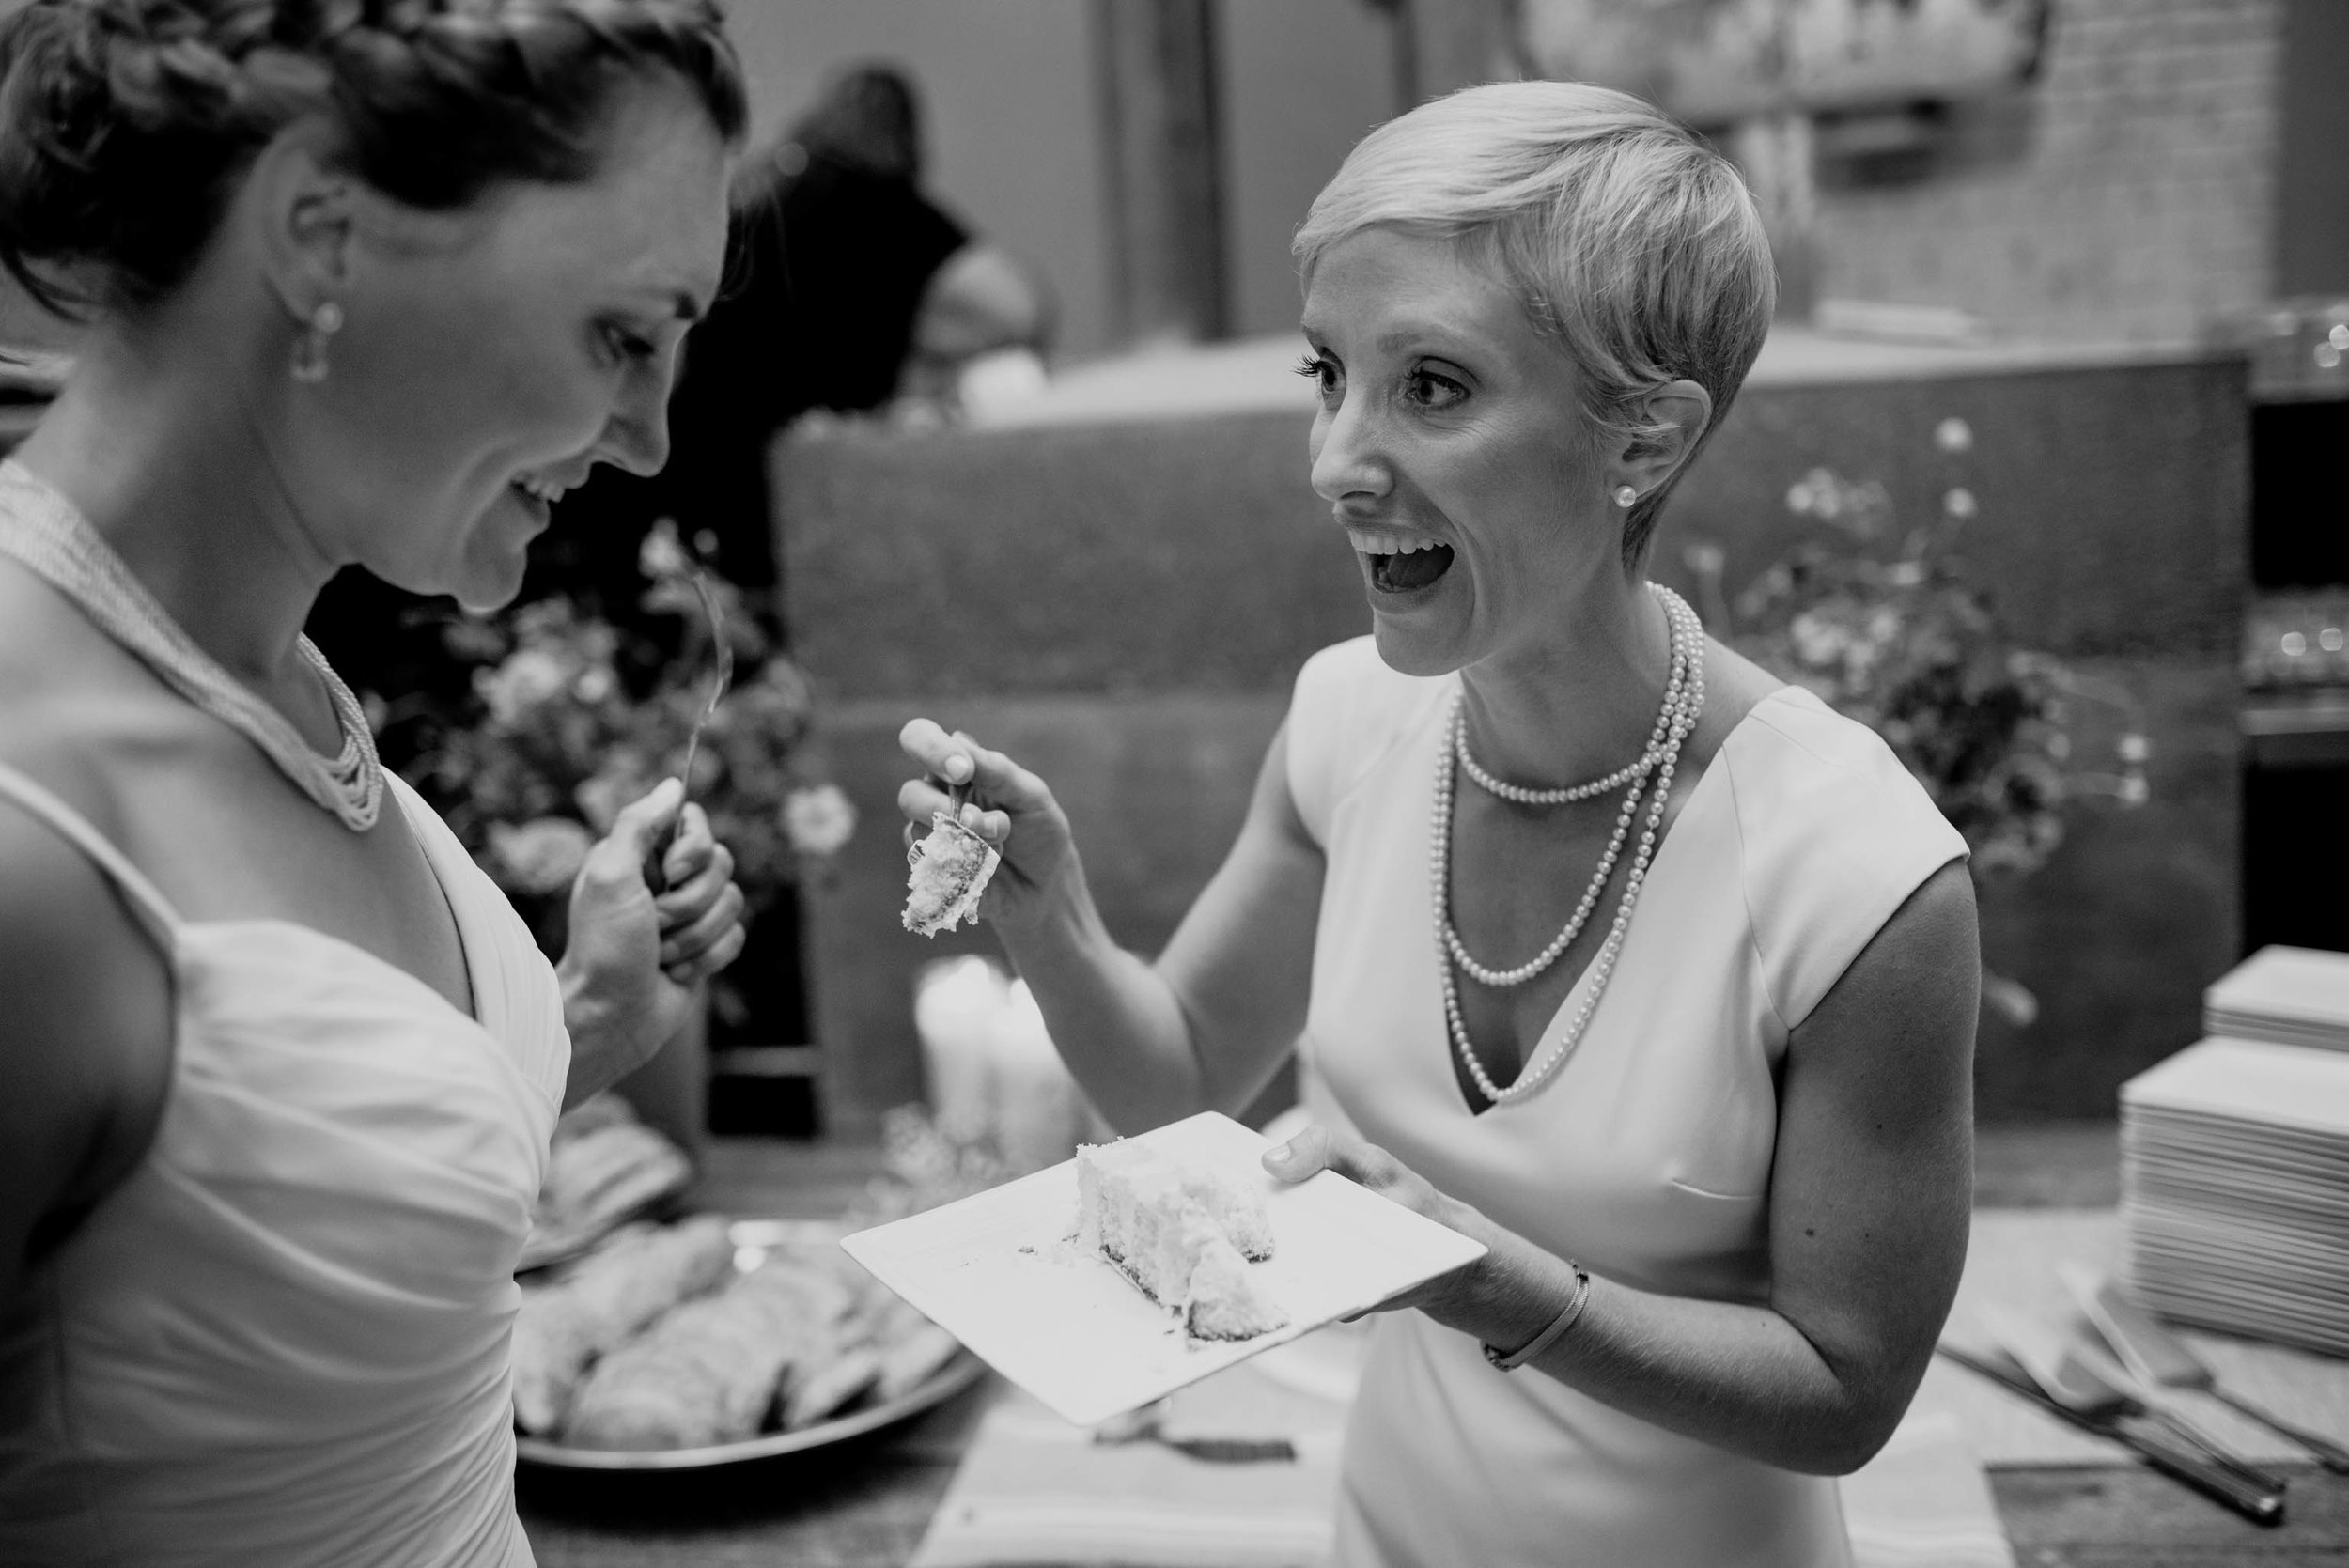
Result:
85,1053
1913,993
85,993
1733,686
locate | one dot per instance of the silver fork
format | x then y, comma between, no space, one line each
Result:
722,679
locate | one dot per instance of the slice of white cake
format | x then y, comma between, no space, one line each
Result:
951,870
1182,1233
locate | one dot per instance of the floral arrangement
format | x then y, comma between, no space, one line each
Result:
570,717
1883,622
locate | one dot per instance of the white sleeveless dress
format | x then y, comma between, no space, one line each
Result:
283,1339
1647,1157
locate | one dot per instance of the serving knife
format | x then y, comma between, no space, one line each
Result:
1148,1425
2072,1373
2173,1459
2160,1359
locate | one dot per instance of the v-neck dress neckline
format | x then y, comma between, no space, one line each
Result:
285,1337
1664,863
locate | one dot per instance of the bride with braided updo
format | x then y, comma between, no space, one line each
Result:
361,283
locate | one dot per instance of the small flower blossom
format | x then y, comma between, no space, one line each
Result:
529,677
540,857
601,799
818,821
1959,503
1953,435
1817,640
661,555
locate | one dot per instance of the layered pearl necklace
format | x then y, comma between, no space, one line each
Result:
1684,700
43,530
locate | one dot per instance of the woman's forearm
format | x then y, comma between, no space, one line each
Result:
608,1040
1115,1019
1741,1377
1204,1025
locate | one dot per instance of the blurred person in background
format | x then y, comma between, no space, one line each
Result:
849,288
1604,947
367,283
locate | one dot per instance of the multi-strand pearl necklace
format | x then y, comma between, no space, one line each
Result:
1684,700
43,530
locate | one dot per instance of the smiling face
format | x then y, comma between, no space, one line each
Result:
493,356
1453,447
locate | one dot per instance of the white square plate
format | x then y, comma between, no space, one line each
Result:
1000,1273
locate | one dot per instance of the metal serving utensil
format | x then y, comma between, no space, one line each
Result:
2076,1374
722,679
1148,1425
2160,1359
2156,1447
957,795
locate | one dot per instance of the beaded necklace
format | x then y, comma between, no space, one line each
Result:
43,530
1676,717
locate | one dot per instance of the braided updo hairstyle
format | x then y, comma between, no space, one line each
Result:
125,124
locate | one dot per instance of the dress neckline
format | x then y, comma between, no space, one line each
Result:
408,979
1698,791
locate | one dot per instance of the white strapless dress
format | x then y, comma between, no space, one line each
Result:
282,1341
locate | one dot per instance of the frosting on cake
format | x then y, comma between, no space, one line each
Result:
1182,1233
951,867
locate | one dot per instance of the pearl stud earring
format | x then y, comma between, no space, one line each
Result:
1625,495
309,363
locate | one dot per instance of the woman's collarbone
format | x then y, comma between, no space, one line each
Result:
227,839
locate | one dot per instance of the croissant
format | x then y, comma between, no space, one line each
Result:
708,1371
640,1273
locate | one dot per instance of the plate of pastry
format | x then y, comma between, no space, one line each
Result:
606,1168
1108,1282
714,1341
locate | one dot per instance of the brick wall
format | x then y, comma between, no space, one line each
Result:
2126,195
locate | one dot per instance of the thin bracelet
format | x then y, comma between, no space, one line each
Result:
1558,1325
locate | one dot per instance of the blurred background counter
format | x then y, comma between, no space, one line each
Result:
1117,582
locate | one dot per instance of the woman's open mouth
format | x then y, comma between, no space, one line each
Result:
1400,563
537,494
538,488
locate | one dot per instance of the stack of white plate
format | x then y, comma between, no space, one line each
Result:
2297,996
2234,1190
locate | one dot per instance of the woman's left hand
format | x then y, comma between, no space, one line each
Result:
1319,1148
635,961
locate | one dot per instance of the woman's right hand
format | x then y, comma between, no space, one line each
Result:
1001,802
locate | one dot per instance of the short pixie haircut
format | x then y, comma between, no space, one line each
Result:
1633,244
126,124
